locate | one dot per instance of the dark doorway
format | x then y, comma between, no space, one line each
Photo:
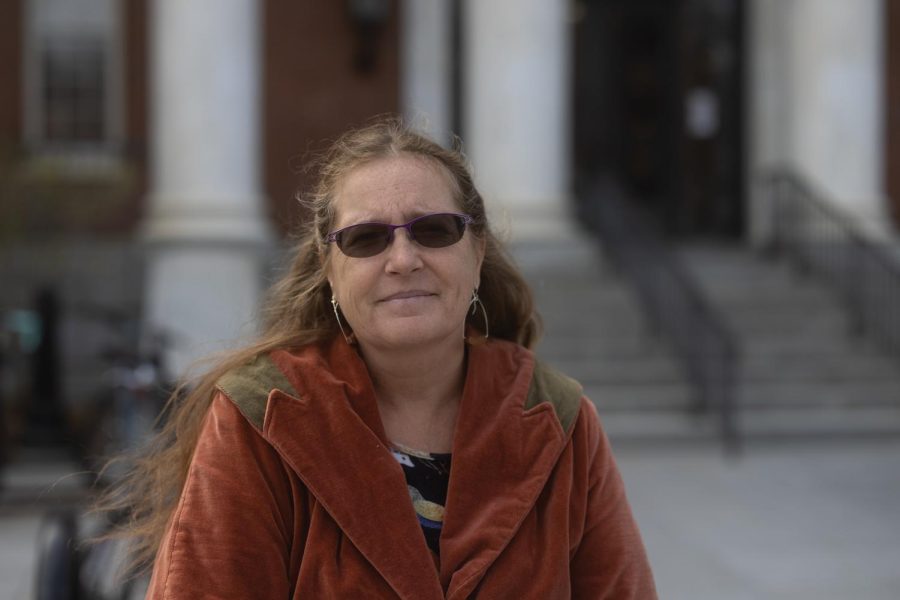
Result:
658,108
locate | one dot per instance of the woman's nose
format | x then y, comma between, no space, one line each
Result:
403,253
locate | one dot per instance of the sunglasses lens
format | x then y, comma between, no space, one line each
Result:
364,240
432,231
438,231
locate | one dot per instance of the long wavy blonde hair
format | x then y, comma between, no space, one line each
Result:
297,312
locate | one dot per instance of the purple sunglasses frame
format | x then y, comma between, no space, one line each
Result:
334,235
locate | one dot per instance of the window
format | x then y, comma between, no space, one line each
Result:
73,95
73,86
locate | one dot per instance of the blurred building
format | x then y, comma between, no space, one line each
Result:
152,202
151,150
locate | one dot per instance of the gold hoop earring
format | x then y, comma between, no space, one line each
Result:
350,339
475,302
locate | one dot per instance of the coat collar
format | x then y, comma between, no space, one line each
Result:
330,432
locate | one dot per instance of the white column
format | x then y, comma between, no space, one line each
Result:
838,115
516,111
817,100
206,223
426,59
768,114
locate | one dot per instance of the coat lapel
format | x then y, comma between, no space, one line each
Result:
332,436
502,457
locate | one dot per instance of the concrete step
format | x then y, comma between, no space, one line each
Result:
585,311
830,422
668,427
586,294
642,397
818,393
618,369
685,427
561,347
788,299
827,367
751,318
818,331
762,292
783,346
575,254
734,271
595,329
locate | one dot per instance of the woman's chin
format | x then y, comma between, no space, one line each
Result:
412,333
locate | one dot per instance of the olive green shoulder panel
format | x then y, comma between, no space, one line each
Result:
248,387
562,392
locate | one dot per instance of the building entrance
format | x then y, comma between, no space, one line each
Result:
658,108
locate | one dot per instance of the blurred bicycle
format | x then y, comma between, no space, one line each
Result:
126,413
68,568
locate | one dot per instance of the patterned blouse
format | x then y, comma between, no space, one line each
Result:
427,477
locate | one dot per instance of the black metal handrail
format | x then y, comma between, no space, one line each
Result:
672,302
824,241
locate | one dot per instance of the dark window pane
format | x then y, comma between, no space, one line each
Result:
73,90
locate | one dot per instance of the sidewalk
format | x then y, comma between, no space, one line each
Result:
813,519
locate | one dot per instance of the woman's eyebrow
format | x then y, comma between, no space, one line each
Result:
407,217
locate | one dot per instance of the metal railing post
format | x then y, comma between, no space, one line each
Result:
856,267
676,307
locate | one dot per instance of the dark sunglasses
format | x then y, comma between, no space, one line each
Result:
436,230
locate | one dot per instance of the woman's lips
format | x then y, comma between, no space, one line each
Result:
407,295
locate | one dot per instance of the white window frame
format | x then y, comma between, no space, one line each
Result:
103,19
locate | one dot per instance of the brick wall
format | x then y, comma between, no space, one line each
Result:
312,91
10,74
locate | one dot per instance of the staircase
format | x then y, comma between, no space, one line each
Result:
803,372
594,331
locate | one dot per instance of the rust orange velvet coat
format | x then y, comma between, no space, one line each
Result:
293,492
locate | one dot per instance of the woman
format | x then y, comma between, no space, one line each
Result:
390,435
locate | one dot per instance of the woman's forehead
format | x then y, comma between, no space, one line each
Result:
392,188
